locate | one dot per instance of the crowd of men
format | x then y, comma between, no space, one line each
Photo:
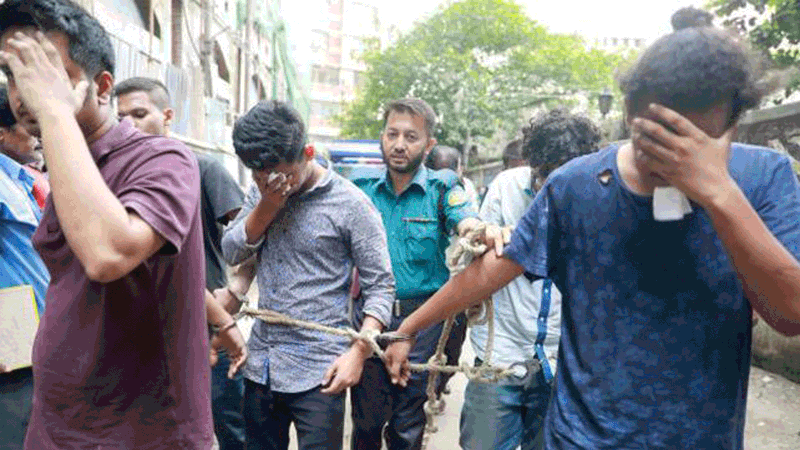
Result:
630,316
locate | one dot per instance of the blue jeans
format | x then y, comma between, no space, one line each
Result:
16,393
226,405
502,416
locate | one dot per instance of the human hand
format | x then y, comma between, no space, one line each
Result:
497,237
396,361
37,71
3,369
274,187
225,297
345,372
684,155
231,340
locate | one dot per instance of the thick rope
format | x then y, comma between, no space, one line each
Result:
459,255
371,337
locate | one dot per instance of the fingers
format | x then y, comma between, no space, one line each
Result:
50,50
237,363
679,124
28,49
13,62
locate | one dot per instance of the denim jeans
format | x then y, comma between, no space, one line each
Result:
505,415
226,405
16,392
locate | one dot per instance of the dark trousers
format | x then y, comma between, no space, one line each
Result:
376,401
317,417
16,392
226,405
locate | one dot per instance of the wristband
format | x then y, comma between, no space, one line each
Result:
219,329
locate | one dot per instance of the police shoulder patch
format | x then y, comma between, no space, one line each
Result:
456,197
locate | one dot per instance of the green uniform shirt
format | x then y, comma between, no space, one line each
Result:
416,237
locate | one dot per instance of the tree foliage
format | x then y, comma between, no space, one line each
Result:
772,26
479,64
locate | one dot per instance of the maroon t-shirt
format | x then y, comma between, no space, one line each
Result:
124,365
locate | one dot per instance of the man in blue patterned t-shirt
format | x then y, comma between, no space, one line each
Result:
656,324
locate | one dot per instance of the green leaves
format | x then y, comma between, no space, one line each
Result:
775,28
479,64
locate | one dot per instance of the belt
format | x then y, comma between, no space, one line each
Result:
406,306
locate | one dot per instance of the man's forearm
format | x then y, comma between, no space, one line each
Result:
94,222
259,220
769,274
478,281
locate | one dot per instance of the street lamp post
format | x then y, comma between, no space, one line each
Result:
604,102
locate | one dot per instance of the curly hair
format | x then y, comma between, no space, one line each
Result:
554,137
270,133
694,68
89,44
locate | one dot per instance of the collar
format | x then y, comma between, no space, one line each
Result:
420,179
14,170
120,133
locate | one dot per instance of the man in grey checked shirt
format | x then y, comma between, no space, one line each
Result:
309,228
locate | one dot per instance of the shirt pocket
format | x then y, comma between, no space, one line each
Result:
421,239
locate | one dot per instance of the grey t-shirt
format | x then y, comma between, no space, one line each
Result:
219,195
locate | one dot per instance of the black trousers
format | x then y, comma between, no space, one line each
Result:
16,393
317,417
376,401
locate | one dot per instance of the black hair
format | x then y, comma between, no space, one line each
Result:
443,157
7,119
554,137
415,107
89,44
270,133
156,90
513,150
694,68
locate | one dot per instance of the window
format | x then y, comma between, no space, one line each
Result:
325,75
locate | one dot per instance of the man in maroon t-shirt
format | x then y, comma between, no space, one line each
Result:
120,360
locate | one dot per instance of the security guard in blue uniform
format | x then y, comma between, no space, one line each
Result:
420,209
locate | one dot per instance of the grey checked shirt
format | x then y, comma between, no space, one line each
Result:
305,265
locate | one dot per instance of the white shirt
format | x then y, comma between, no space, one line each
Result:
517,306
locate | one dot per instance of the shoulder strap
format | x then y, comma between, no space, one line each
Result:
440,208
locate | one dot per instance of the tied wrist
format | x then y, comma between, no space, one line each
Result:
217,329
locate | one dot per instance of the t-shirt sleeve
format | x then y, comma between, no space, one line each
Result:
223,193
535,237
779,206
164,190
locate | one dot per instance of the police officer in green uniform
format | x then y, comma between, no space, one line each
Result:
420,210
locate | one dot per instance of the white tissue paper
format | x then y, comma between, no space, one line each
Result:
670,204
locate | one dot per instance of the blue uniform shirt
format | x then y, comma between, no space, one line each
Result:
19,216
417,239
656,331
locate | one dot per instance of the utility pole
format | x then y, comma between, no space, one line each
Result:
248,25
205,48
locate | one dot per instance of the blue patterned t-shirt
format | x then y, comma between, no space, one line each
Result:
656,332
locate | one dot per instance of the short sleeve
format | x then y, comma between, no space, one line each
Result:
223,193
779,206
164,190
535,237
457,206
